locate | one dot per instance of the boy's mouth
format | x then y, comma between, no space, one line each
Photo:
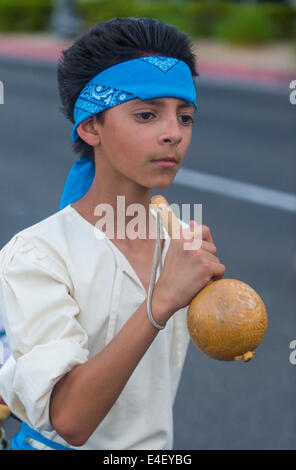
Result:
166,162
166,159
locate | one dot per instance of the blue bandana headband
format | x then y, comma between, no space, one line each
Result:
144,78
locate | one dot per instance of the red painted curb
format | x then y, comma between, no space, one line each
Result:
50,52
31,50
244,73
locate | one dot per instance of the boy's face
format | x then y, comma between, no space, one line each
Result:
136,133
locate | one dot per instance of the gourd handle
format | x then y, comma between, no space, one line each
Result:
167,216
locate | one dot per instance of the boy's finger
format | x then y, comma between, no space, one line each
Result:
195,228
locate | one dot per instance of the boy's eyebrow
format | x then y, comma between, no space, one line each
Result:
158,103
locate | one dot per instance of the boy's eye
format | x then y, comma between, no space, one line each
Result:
145,116
191,120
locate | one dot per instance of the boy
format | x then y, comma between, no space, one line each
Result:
90,367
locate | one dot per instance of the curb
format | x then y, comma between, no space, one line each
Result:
46,53
267,77
39,48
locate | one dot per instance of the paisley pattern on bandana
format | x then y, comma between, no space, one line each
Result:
162,63
145,78
96,98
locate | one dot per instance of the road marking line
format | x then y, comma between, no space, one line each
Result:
237,189
1,93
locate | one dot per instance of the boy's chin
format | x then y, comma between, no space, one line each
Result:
163,182
163,185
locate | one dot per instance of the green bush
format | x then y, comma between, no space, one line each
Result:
283,16
102,10
206,16
24,15
236,23
175,13
246,25
172,12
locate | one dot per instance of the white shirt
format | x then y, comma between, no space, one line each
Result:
64,294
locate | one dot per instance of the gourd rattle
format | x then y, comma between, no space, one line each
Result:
227,319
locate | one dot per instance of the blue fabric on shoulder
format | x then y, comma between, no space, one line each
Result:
18,442
78,181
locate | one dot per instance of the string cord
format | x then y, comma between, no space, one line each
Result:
158,249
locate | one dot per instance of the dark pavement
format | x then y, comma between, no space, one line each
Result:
243,133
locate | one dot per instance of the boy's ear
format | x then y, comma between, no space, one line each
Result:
88,132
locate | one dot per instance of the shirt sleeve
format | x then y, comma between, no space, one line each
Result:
45,337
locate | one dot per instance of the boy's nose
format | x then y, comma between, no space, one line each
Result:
171,132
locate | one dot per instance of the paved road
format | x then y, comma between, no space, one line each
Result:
241,133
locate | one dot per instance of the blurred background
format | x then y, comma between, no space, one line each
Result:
240,166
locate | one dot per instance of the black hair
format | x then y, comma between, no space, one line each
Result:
109,43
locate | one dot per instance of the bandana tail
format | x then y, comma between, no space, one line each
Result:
78,181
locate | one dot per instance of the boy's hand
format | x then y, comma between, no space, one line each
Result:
186,272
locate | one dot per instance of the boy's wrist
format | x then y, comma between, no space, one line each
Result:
161,308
